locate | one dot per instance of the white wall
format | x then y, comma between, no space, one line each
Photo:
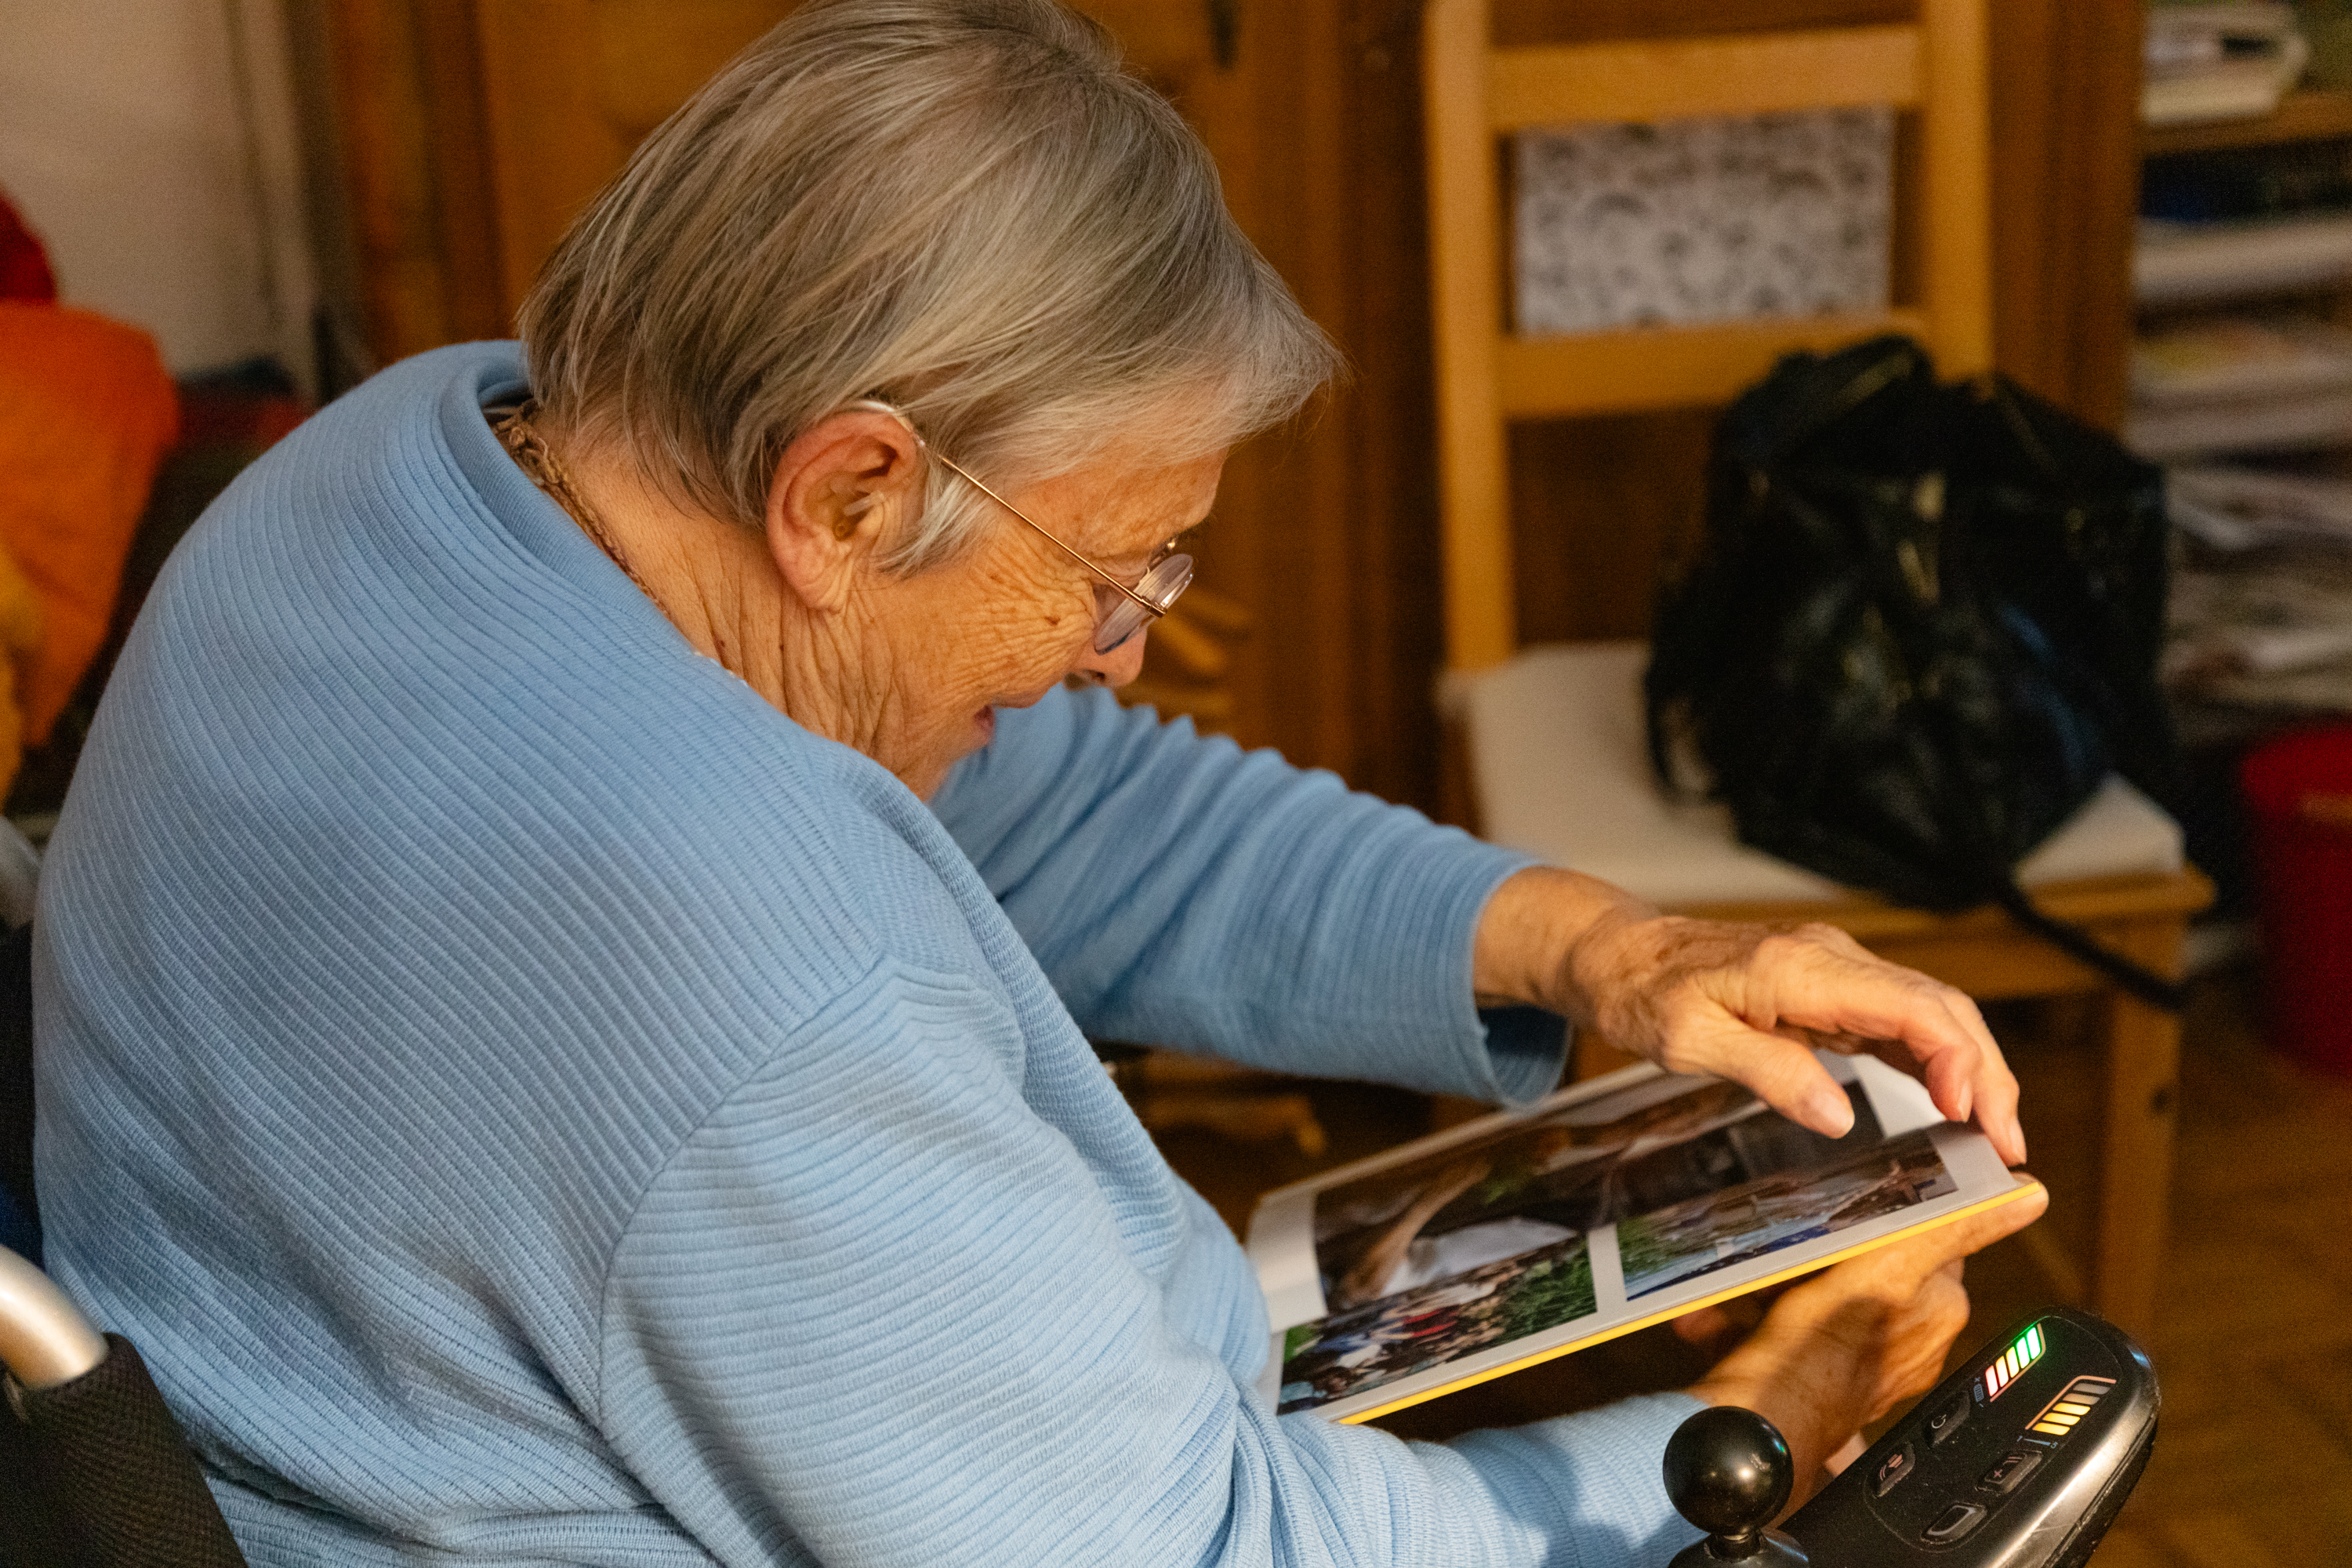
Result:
151,143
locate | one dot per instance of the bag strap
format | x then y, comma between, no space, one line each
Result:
2002,886
2072,940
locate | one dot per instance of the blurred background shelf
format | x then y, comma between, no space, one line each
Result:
2307,114
2242,384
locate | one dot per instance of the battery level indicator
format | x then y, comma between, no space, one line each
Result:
2013,1361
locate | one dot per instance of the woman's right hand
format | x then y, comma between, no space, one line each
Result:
1844,1347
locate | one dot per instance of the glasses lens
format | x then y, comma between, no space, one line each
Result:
1125,618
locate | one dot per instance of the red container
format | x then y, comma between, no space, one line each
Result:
2299,790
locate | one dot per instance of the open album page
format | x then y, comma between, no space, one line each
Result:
1608,1206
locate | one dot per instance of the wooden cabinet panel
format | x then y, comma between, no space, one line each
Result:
2066,83
415,178
550,144
650,55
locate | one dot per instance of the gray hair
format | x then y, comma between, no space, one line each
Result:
965,207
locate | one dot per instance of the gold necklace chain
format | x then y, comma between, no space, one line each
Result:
531,453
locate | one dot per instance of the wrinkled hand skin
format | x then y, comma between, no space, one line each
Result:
1848,1346
1740,1002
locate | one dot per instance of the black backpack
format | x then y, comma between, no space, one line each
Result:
1921,630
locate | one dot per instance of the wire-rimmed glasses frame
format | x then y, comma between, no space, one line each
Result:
1120,611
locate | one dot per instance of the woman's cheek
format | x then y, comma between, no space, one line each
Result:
1039,648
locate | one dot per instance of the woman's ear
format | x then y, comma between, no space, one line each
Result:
838,490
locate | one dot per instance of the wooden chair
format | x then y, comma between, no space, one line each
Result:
1552,736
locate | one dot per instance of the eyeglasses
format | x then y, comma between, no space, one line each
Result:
1120,611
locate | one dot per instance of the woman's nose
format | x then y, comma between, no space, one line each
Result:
1120,665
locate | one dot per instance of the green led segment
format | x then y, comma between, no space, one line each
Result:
2012,1360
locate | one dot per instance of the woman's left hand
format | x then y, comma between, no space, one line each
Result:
1839,1350
1740,1002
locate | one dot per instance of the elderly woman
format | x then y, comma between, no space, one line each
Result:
562,980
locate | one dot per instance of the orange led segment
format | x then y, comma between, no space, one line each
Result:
2071,1407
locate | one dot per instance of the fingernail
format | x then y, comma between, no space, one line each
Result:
1832,1113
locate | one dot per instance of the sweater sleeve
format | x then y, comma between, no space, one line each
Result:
875,1308
1180,891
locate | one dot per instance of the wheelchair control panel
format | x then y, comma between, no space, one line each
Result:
2019,1459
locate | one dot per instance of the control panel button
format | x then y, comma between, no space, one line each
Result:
1893,1468
1947,1418
2009,1472
1954,1522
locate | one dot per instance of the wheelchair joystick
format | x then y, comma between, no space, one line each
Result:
1728,1472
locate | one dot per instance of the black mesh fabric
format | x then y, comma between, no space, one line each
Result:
24,1534
16,1068
99,1476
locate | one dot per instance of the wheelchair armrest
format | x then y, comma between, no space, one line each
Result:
44,1341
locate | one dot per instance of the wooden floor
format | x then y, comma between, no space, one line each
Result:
2254,1339
2254,1345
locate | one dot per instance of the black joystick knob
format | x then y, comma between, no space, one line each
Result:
1728,1472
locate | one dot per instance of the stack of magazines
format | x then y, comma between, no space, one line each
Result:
2239,382
2246,399
2261,597
2219,61
2236,221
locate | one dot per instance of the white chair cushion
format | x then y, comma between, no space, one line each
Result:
1559,759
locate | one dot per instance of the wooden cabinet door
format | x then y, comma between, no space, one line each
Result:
1322,554
1282,642
570,87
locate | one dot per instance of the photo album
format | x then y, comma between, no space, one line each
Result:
1607,1207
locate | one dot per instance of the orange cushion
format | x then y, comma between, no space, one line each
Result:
86,414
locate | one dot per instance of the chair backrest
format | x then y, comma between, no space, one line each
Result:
1473,93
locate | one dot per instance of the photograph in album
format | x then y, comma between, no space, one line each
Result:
1354,1353
1550,1177
1705,1234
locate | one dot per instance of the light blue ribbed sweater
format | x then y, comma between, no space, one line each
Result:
533,1103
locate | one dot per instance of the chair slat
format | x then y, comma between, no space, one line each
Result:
1669,367
2092,902
1467,304
1956,208
1841,68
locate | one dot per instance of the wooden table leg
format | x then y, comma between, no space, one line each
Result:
2142,1072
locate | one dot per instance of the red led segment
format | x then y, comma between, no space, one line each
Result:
2012,1360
